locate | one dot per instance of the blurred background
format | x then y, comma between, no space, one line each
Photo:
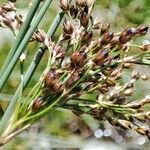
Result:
60,128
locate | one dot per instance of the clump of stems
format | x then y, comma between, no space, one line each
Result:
88,59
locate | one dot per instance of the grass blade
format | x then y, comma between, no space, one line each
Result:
38,56
23,44
21,33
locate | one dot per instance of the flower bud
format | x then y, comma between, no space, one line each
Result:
78,58
146,47
64,5
127,65
135,75
7,21
39,36
124,124
107,37
50,78
84,19
110,82
72,79
144,77
126,35
141,30
68,27
128,92
58,52
104,28
100,57
80,3
116,72
8,6
74,11
37,104
87,36
142,130
103,89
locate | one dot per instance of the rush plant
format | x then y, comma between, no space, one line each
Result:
84,70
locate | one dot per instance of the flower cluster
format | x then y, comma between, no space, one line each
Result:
9,17
84,64
85,70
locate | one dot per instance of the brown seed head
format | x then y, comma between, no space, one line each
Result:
8,6
100,57
87,36
135,75
107,37
7,21
37,104
104,28
124,124
110,82
141,30
84,19
142,130
51,78
126,35
64,5
128,92
39,36
74,11
146,47
80,3
68,27
78,58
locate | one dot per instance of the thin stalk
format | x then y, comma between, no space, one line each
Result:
23,44
42,113
28,75
5,140
21,34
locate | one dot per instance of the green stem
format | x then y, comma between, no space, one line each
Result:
23,44
42,113
36,60
21,34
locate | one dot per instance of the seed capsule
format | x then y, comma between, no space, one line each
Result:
127,65
104,28
141,30
72,79
107,37
37,104
74,11
110,82
142,131
100,57
87,36
64,5
128,92
68,27
146,47
50,78
53,89
126,35
8,6
84,19
135,75
80,3
124,124
78,58
144,77
39,36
